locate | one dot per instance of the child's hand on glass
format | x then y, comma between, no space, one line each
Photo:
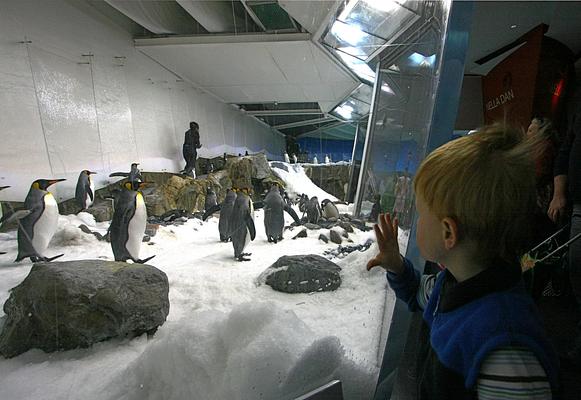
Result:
388,257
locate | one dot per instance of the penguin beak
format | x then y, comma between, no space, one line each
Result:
145,184
4,187
53,181
92,173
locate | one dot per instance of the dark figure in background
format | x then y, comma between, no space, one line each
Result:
567,175
190,149
376,209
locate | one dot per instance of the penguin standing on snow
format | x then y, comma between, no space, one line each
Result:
85,191
37,229
241,224
313,210
286,158
329,209
128,224
226,215
211,199
274,208
225,209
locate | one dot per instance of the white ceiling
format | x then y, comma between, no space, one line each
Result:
256,71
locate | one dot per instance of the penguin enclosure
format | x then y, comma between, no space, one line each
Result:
189,188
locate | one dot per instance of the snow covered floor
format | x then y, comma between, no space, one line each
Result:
225,337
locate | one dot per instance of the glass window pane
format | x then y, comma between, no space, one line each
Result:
352,40
382,18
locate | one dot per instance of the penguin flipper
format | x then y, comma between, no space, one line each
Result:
89,191
15,215
123,174
144,260
211,211
292,213
250,226
49,259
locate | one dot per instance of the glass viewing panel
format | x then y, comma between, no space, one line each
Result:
400,120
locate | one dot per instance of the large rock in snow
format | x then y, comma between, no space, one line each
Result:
65,305
302,274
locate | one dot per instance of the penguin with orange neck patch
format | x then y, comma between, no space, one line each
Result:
37,229
129,222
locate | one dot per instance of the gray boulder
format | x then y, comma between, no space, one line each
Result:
66,305
313,227
335,237
301,234
302,274
102,210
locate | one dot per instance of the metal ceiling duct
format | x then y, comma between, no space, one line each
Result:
215,16
159,17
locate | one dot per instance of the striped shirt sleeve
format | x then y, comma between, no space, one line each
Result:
427,283
512,373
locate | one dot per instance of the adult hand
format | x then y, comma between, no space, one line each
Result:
557,208
388,257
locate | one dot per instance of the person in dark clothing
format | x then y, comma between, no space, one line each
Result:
567,196
190,149
482,337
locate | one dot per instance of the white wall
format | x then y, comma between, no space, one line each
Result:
61,112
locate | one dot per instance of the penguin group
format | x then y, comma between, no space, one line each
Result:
38,221
236,221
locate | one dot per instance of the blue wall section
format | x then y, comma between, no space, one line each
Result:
338,150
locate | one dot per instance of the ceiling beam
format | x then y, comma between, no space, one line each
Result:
266,113
220,39
303,123
330,126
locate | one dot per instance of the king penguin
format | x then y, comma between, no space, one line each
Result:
85,191
274,208
225,209
226,215
37,229
128,224
133,176
241,224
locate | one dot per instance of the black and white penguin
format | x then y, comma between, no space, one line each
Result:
225,209
85,191
37,229
211,199
226,215
329,209
133,176
241,224
274,208
313,210
128,224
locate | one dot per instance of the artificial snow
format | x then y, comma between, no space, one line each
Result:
225,337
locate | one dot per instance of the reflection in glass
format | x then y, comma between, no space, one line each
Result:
380,18
352,40
400,120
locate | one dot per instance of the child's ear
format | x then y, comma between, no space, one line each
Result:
449,233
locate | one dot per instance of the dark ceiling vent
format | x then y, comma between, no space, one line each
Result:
271,16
